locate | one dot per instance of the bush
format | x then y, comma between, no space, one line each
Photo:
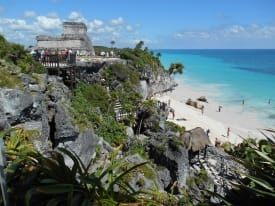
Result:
112,131
17,55
174,127
89,104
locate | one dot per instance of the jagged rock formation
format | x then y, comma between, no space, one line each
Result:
44,106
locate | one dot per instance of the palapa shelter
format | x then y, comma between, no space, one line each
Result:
195,139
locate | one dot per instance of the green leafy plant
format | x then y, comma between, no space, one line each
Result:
112,131
257,185
46,179
176,68
174,127
17,55
71,186
8,80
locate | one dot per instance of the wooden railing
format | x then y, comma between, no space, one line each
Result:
57,61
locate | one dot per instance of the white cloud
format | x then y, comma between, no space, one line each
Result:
129,28
146,41
25,30
193,34
53,15
74,15
29,14
252,31
77,17
48,23
96,27
19,24
117,22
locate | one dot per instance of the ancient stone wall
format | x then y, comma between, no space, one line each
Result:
75,37
74,28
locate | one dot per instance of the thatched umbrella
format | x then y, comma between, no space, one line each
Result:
195,139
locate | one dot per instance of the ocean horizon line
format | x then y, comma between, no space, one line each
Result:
214,49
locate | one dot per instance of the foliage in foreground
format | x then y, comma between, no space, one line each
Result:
258,185
35,179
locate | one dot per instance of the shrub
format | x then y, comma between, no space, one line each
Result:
112,131
174,127
8,80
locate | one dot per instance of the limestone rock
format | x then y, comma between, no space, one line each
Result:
202,99
15,105
63,125
84,146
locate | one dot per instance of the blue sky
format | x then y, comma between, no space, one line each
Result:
161,24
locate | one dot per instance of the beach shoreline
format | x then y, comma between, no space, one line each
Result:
241,123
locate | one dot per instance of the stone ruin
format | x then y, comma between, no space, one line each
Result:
74,37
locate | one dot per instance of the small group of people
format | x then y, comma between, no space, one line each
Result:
42,55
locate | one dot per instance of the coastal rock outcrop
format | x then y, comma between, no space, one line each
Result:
194,104
16,105
168,153
202,99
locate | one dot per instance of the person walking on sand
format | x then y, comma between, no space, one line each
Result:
202,109
219,109
217,142
207,132
228,131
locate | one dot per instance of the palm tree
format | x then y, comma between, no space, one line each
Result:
112,43
158,55
139,45
176,68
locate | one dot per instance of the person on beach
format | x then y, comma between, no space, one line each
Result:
243,102
217,142
202,109
207,132
228,131
172,111
219,109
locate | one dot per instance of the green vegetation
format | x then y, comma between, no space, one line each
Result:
8,80
122,73
112,131
99,49
141,57
174,144
89,104
17,55
174,127
176,68
138,147
46,180
258,185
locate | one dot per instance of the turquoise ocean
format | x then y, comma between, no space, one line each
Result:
231,76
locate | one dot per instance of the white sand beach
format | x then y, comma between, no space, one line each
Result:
242,124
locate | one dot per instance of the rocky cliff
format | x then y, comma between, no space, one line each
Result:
43,105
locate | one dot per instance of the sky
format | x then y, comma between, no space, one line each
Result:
160,24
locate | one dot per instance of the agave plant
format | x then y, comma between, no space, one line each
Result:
257,187
62,185
49,181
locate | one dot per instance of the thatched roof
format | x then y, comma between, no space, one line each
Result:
195,139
